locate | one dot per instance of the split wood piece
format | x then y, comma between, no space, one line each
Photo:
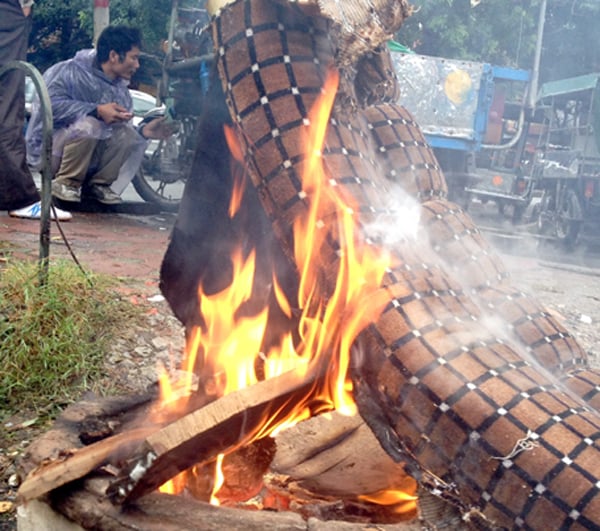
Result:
71,427
200,436
336,455
51,475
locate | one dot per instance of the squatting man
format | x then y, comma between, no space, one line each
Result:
96,150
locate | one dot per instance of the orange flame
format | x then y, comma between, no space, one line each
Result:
239,182
401,500
219,480
331,317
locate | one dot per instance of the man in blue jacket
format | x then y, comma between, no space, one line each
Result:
94,140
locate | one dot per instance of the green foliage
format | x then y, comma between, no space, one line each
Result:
53,337
60,29
497,31
571,44
503,32
151,16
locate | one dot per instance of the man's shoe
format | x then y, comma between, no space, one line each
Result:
34,212
66,192
103,194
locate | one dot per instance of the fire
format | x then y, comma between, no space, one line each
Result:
230,343
238,174
219,480
401,500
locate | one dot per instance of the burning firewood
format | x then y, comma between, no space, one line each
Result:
336,455
200,436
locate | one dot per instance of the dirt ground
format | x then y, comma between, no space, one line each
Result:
131,247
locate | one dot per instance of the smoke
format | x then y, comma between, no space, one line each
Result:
401,221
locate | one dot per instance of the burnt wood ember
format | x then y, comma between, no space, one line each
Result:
198,437
466,406
244,470
59,458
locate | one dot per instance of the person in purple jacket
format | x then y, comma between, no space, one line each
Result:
94,141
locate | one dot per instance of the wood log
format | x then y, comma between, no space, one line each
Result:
76,464
162,512
57,457
88,507
336,455
200,436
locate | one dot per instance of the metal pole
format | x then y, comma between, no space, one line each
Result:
530,100
163,90
535,73
46,169
101,17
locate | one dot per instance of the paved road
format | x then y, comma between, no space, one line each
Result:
524,241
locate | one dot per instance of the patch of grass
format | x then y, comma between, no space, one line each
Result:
53,337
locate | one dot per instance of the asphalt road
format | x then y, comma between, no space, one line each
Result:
523,240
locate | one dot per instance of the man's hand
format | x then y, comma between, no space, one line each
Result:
159,129
112,112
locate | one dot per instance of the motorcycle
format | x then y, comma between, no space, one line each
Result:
184,82
166,164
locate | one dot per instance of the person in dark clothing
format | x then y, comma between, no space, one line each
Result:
18,193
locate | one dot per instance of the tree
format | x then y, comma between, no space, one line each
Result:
151,16
496,31
60,29
571,44
503,32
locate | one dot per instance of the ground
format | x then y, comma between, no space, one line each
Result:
131,247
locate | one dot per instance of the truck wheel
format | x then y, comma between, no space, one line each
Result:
517,214
545,214
568,219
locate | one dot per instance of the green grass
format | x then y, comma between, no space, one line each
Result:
53,337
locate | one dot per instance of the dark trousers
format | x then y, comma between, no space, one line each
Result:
17,188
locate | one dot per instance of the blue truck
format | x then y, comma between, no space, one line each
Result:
536,156
472,115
